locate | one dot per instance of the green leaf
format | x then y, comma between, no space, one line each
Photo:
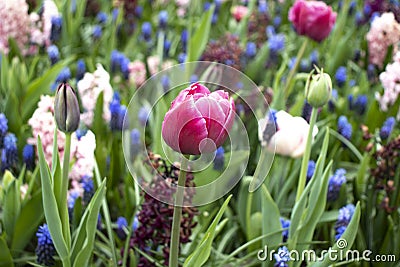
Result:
5,255
349,236
271,218
27,223
50,207
198,41
83,244
12,207
201,254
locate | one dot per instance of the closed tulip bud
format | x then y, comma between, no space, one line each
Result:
66,109
318,89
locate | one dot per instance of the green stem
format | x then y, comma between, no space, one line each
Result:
64,190
289,79
306,157
176,219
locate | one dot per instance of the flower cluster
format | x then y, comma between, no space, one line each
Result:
45,250
390,80
335,183
14,24
89,88
155,217
344,218
384,32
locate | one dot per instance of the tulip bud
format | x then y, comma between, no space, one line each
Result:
66,109
318,88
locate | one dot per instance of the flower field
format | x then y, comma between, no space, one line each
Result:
199,133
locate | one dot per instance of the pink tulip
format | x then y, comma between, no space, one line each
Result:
312,18
238,12
196,117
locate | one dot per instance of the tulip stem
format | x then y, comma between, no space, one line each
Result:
64,191
176,219
289,79
306,156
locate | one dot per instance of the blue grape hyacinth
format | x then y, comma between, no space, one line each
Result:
45,250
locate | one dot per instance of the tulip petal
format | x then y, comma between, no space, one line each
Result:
228,124
184,128
213,114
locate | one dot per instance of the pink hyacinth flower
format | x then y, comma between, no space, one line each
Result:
197,117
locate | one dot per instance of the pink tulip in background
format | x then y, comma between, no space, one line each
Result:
290,137
314,19
195,115
238,12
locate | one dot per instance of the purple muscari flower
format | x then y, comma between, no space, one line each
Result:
314,58
310,169
341,76
101,17
97,32
3,128
277,22
262,7
135,223
165,83
167,46
360,105
135,143
28,156
121,117
306,113
56,24
88,188
219,159
163,19
292,62
387,128
120,62
184,39
53,53
305,65
276,43
214,18
139,11
143,115
80,133
80,69
352,83
217,5
344,127
251,49
285,225
115,14
270,31
45,250
9,154
335,183
206,6
146,31
371,72
344,218
115,106
359,18
367,9
122,224
331,103
72,197
350,98
63,77
282,257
